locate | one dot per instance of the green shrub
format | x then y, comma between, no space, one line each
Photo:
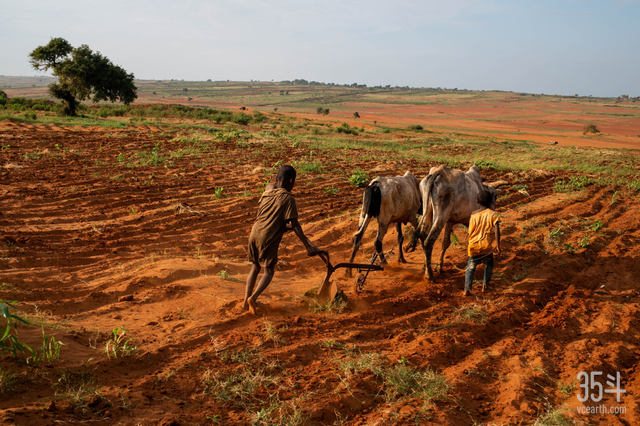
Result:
575,183
241,118
590,128
259,117
484,164
359,178
222,117
3,98
416,127
346,129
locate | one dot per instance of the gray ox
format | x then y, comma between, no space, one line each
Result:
392,200
448,198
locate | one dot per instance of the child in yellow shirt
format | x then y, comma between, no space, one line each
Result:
484,231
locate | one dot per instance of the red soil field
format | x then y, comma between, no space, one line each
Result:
88,245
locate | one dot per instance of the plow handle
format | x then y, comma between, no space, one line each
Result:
325,258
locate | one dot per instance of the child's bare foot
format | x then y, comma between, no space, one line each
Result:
466,293
252,306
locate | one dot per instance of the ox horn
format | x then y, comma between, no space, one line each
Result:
497,184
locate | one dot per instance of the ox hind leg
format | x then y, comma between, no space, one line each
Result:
382,231
446,242
413,242
401,258
357,240
427,248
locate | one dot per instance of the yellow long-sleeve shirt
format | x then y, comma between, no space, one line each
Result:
481,232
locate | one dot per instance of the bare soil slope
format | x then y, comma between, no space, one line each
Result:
88,245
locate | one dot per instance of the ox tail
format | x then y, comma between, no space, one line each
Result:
425,221
416,234
372,200
370,209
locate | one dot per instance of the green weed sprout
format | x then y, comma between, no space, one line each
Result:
10,342
218,192
118,344
359,178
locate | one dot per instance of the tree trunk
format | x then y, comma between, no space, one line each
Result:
70,104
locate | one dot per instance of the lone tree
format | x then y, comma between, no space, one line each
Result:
82,74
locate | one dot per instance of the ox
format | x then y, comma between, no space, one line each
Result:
448,198
392,200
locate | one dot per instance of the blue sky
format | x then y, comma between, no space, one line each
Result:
552,47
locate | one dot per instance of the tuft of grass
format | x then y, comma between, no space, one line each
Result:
554,237
402,380
555,417
241,384
7,381
336,306
373,362
567,388
471,312
284,413
78,386
244,357
405,381
227,277
271,333
330,344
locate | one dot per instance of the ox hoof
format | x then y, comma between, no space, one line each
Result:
402,260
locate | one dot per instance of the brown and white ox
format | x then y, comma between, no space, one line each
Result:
390,200
449,196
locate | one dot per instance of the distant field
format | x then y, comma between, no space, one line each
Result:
499,115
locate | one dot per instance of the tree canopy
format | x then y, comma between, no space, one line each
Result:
82,74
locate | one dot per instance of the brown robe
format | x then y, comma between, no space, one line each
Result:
277,207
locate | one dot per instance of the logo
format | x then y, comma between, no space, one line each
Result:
592,389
